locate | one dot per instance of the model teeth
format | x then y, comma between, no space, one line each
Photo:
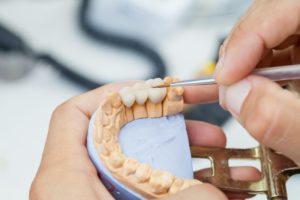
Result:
161,181
103,151
116,159
127,96
143,173
156,95
194,182
185,185
110,147
129,104
140,92
130,166
176,186
140,86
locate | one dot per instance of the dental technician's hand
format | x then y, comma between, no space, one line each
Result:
66,171
267,35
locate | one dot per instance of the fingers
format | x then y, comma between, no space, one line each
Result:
269,113
205,134
68,128
200,94
243,174
237,173
294,39
264,26
202,191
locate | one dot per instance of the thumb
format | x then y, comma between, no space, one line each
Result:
202,191
263,27
268,112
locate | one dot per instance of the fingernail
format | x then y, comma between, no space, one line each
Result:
222,90
240,52
235,95
219,65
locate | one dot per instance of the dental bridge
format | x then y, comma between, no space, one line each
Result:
142,100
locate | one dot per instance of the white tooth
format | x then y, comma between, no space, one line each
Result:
149,82
141,96
158,81
154,82
140,86
156,95
141,92
127,96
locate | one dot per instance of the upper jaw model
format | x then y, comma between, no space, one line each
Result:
129,104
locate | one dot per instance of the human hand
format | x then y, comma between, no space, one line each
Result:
66,171
265,36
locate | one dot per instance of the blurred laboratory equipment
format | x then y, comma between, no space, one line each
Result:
140,27
214,11
137,26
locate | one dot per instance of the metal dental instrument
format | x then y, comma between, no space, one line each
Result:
282,73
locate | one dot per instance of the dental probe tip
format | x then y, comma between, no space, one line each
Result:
161,86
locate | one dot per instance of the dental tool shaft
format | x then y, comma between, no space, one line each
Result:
282,73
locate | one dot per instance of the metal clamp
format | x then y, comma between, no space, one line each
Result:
275,169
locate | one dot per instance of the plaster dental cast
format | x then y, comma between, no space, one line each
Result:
265,36
132,103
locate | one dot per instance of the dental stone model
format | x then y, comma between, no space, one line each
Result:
114,151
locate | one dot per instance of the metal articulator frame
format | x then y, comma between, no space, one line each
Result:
275,169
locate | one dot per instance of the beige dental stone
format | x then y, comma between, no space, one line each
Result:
175,94
185,185
102,150
97,131
168,80
139,111
172,107
120,118
107,137
160,181
116,159
98,126
109,134
105,120
176,186
130,166
143,172
111,146
173,103
129,114
115,100
154,110
193,182
107,107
